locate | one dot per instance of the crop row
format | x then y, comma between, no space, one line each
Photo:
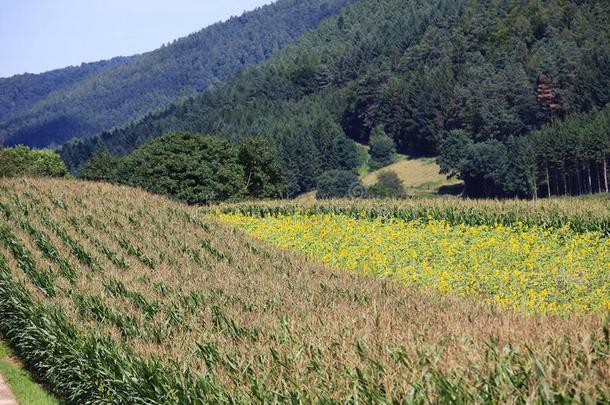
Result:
581,214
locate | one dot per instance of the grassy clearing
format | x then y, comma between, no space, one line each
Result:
421,177
120,296
24,388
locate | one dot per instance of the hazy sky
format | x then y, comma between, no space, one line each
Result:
40,35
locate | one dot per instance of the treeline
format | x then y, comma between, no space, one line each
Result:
297,99
305,134
565,158
571,158
23,161
52,108
416,71
195,168
204,169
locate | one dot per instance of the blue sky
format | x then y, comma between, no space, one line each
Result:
40,35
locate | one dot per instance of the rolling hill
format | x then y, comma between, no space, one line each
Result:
54,107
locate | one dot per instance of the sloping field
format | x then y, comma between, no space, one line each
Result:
421,177
550,256
112,295
529,269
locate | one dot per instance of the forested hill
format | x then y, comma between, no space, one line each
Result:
52,108
21,92
419,70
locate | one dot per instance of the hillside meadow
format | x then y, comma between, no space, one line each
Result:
113,295
421,177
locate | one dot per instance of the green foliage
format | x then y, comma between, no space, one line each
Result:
388,185
480,165
54,107
263,171
194,168
339,184
383,149
453,151
102,166
567,158
419,70
23,161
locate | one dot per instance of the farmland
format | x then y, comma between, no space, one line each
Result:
113,295
531,269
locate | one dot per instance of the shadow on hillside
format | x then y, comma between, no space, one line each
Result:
453,189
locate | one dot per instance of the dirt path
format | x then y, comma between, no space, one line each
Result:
6,396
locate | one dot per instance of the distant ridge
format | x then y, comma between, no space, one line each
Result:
51,108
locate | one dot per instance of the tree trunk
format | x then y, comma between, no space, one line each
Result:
599,179
548,181
557,190
606,174
565,182
578,183
589,178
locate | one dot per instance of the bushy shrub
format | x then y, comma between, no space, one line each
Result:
195,168
263,172
23,161
388,185
102,166
383,149
339,184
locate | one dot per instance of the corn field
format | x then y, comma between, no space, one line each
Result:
582,214
112,295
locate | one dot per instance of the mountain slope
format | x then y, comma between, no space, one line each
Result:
296,99
80,104
20,92
418,69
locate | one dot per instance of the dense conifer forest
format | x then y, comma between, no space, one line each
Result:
488,76
76,102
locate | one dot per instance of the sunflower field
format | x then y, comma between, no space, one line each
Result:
536,268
